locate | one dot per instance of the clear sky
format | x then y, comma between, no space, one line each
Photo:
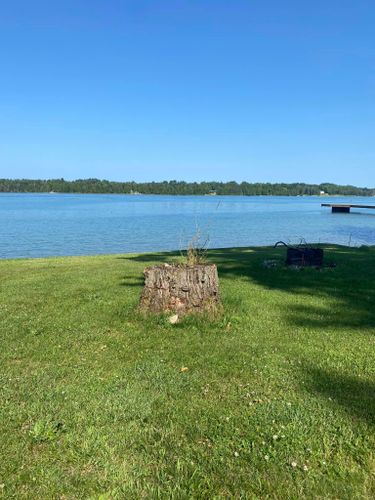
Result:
256,90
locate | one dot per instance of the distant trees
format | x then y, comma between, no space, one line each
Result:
177,187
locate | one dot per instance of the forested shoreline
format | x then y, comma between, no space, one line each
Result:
179,188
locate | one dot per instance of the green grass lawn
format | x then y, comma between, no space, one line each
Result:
278,400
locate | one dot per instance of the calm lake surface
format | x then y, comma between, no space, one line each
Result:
39,225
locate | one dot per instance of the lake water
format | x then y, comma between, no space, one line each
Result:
39,225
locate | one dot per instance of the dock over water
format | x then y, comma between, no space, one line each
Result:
343,208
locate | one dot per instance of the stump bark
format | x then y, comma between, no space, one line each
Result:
180,288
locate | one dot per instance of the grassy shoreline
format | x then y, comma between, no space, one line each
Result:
278,400
176,254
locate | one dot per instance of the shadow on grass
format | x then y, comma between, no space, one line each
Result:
153,258
351,393
133,281
345,295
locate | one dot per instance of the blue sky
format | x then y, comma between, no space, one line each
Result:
256,90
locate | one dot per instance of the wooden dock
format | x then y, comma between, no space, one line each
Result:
345,209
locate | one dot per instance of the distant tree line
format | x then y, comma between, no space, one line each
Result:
178,187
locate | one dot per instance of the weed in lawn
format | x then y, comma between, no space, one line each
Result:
45,430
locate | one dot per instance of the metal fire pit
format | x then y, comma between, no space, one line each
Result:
303,255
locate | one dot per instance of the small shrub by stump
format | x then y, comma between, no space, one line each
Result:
180,288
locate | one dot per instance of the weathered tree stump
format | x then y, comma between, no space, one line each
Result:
180,288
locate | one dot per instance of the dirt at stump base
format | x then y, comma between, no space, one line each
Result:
180,288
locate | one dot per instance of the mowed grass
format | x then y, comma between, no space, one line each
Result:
278,400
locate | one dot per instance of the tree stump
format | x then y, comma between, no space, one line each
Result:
180,288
